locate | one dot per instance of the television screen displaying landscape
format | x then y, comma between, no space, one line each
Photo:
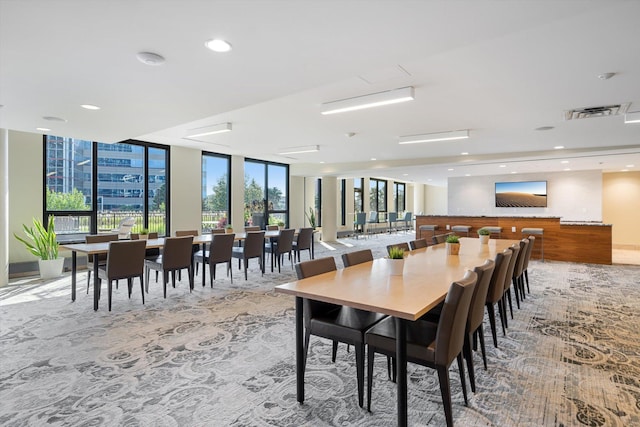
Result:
529,194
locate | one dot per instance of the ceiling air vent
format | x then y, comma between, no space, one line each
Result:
591,112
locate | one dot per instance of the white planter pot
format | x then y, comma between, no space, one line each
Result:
484,239
396,266
51,268
143,236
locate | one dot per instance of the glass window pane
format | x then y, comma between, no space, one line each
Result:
254,196
215,192
157,185
120,185
68,174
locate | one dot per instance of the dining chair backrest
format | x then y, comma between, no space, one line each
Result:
305,236
136,236
285,240
418,244
476,309
272,228
315,266
254,244
519,267
453,319
221,248
250,228
99,238
361,218
407,217
373,216
218,231
515,250
125,259
392,217
357,257
496,285
440,238
404,246
177,252
532,240
182,233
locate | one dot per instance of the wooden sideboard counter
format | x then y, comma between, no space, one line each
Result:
587,242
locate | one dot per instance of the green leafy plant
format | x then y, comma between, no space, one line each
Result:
40,241
281,223
229,227
311,217
483,232
453,239
396,253
144,231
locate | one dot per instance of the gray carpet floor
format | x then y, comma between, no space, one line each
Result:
225,356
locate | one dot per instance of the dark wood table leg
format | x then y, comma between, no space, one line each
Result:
96,283
299,350
74,267
401,355
204,265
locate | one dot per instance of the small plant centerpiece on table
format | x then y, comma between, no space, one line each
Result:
396,261
144,234
228,229
484,234
453,245
280,225
42,243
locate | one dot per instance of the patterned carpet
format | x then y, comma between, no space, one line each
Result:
225,357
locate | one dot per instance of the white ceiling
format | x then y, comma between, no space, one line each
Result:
498,68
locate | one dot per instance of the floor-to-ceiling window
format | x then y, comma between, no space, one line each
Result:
399,191
358,200
378,195
266,193
90,187
215,191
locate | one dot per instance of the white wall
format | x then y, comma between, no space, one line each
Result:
25,188
4,207
237,193
186,189
573,196
296,202
436,200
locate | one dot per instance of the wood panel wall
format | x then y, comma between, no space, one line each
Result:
585,243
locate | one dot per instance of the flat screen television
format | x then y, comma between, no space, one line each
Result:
522,194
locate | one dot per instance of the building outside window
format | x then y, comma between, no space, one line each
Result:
399,199
215,191
266,189
378,196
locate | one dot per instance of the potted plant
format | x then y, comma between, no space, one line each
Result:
396,261
484,234
280,225
453,245
144,234
311,217
228,229
42,243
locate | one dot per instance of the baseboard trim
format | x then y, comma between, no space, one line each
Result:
626,247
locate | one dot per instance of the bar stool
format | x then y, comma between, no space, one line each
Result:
461,229
494,230
536,232
431,228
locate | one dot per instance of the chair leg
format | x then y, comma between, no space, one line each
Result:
492,322
334,351
146,280
516,291
307,338
468,356
110,289
526,276
230,271
129,286
463,382
510,303
165,279
370,355
246,265
360,371
88,280
481,338
445,391
502,310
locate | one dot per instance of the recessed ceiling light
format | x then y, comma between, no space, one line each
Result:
624,170
464,153
630,166
558,147
432,137
467,174
218,45
209,130
150,58
564,162
503,166
405,174
450,169
633,117
322,162
544,128
567,169
606,76
43,129
370,100
373,158
299,149
429,180
514,172
90,107
54,119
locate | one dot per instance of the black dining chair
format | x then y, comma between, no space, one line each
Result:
495,293
176,256
335,322
253,247
220,251
418,244
125,260
281,246
303,242
429,344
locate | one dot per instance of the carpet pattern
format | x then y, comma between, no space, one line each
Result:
225,356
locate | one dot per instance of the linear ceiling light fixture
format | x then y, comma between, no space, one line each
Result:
298,150
431,137
209,130
633,117
378,99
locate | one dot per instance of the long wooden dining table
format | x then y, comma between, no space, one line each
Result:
103,248
428,273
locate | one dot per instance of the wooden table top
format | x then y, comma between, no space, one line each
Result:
428,273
